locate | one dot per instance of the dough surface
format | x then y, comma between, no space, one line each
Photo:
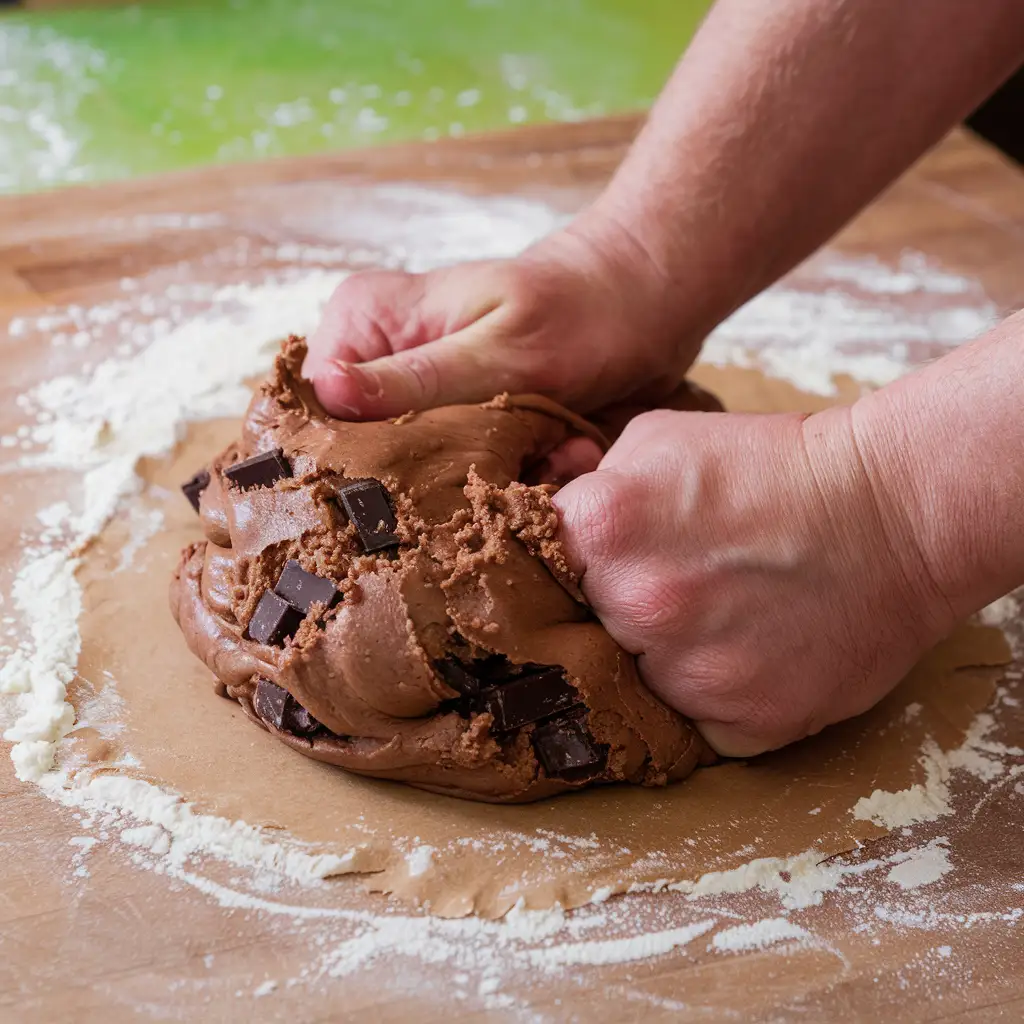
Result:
460,656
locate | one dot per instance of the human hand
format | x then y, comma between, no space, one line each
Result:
583,317
750,564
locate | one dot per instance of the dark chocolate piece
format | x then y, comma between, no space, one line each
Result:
260,470
566,750
193,489
455,675
496,668
527,699
369,507
305,589
277,707
274,620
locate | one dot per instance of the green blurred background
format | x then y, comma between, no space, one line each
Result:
118,91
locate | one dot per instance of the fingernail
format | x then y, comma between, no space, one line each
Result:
340,410
366,381
313,365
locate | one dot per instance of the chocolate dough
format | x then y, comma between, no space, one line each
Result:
390,598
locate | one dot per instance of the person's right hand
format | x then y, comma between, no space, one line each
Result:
764,570
583,317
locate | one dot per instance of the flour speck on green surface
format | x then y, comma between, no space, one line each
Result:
112,92
44,79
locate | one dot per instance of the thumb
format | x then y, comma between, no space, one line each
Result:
466,367
730,740
393,342
594,523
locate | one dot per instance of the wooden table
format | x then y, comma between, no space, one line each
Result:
124,944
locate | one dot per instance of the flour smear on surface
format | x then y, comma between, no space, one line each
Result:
183,354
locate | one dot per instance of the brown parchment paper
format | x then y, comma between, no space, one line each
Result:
485,858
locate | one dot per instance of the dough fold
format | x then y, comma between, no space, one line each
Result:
474,585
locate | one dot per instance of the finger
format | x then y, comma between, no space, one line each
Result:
590,525
368,316
472,365
638,435
570,460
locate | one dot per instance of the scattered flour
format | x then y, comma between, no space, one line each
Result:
930,800
1000,614
176,364
161,817
104,421
144,524
148,837
617,951
419,861
799,881
922,866
808,332
44,77
759,935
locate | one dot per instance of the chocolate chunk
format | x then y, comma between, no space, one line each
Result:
527,699
274,620
268,702
259,471
566,750
277,707
305,589
369,507
193,489
496,668
456,676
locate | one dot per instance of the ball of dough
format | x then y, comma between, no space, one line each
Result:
391,598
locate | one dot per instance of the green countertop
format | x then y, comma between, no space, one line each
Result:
100,94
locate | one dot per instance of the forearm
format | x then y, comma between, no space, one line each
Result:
944,449
781,121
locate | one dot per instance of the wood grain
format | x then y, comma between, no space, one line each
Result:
124,943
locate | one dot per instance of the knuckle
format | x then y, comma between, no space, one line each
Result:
531,300
655,422
648,438
600,514
655,601
372,294
363,288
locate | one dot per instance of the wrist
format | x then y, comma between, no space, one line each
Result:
687,247
671,316
930,502
879,540
945,443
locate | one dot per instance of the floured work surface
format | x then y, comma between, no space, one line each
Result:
131,901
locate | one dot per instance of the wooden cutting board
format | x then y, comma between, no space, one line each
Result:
123,944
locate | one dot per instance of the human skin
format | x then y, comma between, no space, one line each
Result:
772,573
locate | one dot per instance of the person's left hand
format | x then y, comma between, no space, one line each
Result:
751,565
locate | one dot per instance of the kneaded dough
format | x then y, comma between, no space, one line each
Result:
475,584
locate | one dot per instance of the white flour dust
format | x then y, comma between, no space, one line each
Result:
922,866
184,354
759,935
858,318
103,421
929,800
419,860
43,79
